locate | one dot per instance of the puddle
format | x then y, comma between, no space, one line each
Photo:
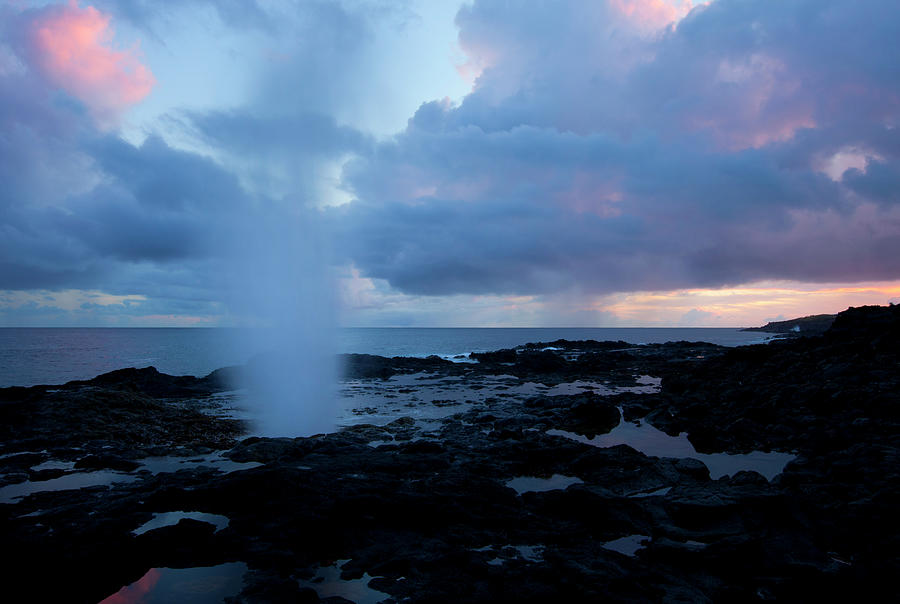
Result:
157,465
78,480
531,553
429,396
656,443
54,465
629,545
172,518
568,388
17,453
328,583
198,585
434,397
527,484
646,384
387,402
655,493
377,443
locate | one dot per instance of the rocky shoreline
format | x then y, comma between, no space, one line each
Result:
496,486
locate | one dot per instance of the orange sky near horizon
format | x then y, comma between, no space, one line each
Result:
746,305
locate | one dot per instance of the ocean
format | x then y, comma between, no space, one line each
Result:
30,356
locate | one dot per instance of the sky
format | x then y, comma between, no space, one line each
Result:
446,163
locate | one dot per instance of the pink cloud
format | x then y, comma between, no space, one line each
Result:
750,102
651,13
72,48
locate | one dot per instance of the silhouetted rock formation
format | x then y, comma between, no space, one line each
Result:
812,325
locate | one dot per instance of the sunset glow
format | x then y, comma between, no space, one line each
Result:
652,13
478,163
746,306
137,591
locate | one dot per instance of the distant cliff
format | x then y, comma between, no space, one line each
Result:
812,325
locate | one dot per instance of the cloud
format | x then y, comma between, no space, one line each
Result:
596,155
281,154
151,204
84,209
652,14
72,48
605,147
154,16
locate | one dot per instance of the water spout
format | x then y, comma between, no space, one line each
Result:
282,288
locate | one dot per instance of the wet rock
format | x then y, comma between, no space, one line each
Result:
48,474
592,417
263,587
692,467
508,355
431,516
112,462
363,366
539,362
266,450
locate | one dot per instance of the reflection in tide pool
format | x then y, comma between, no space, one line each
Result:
164,519
198,585
328,583
79,480
656,443
629,545
76,480
533,484
217,461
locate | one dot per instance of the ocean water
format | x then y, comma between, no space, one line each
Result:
30,356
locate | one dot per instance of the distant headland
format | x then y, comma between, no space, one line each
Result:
812,325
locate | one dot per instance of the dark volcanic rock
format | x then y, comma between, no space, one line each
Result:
587,414
357,366
113,462
508,355
150,382
812,325
430,508
122,409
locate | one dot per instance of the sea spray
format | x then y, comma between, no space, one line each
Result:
282,288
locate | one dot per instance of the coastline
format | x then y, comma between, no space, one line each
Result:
484,481
59,355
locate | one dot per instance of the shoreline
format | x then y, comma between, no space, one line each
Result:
499,479
73,355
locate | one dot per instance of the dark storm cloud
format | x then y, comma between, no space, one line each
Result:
595,155
880,181
152,204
